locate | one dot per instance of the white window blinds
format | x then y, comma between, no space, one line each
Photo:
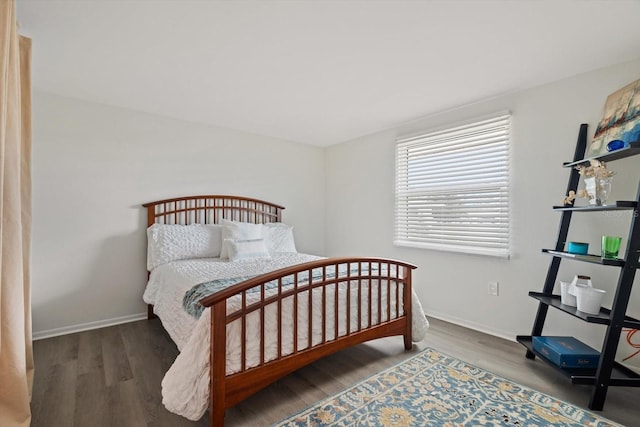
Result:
452,189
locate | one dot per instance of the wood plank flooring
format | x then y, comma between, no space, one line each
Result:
111,377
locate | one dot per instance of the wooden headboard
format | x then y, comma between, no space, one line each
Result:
211,209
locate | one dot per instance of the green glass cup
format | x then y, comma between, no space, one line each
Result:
610,246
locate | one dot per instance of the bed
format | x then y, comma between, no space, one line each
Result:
245,308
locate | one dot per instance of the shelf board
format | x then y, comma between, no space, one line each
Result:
586,374
631,150
594,259
554,301
603,318
620,376
616,206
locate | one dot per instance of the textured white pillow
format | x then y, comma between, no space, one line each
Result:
235,230
245,249
279,237
170,242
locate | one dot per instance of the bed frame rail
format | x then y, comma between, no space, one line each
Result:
350,300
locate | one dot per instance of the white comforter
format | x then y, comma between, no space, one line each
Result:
185,387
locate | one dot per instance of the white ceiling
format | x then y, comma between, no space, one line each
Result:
317,72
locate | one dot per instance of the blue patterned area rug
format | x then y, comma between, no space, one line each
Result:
433,389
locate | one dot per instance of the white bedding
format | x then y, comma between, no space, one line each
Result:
185,387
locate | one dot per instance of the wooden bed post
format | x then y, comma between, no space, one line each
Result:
217,363
406,305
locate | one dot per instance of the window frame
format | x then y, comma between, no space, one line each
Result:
422,218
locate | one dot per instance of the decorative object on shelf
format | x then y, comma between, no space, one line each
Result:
629,349
610,246
597,190
572,291
566,352
620,121
589,299
579,248
597,181
616,144
569,198
565,297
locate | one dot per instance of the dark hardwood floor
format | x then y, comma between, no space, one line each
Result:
111,377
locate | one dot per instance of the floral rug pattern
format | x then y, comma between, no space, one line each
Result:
433,389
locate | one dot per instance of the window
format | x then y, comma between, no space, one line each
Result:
452,188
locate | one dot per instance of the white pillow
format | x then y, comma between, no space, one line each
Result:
171,242
245,249
278,237
238,231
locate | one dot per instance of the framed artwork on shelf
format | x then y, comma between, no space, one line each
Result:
620,121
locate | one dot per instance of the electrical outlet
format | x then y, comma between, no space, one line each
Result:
493,288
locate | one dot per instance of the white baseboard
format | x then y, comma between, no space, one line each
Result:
141,316
87,326
472,325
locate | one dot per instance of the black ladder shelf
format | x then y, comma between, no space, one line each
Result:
609,372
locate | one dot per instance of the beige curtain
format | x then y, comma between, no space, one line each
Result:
16,356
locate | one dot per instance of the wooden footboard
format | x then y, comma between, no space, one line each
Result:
319,308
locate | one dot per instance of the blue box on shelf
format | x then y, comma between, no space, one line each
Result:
566,352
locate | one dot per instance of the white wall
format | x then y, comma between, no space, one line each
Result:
93,167
360,198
